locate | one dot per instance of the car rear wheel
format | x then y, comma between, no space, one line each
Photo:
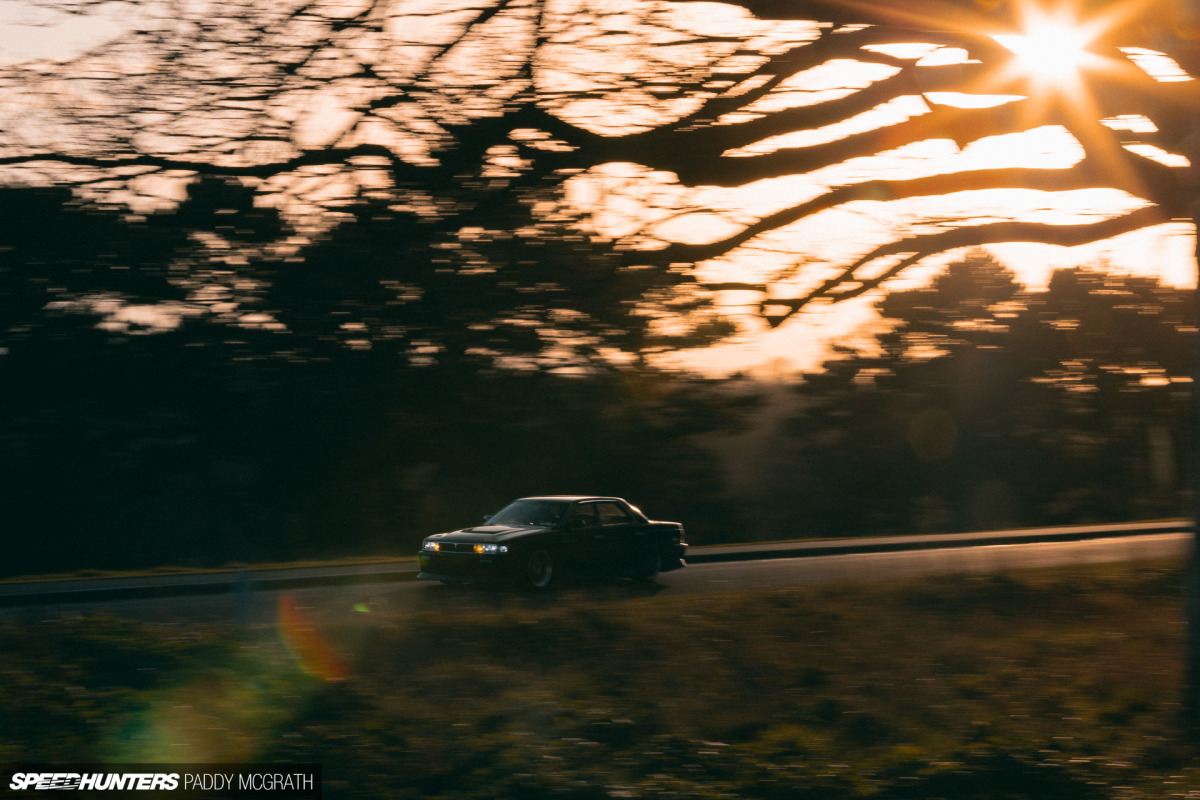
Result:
539,569
645,564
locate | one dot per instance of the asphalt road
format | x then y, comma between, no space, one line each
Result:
246,603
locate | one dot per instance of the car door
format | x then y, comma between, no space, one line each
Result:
581,539
618,534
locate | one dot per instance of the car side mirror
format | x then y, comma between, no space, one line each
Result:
575,523
486,517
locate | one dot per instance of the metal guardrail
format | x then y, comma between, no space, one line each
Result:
50,592
890,544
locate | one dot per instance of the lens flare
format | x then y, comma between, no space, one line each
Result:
314,655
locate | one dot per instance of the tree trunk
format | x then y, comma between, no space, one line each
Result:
1191,699
1184,20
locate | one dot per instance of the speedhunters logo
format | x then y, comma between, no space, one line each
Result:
102,781
168,781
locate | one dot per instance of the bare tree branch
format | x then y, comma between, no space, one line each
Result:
916,248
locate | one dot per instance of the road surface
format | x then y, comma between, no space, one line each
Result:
248,604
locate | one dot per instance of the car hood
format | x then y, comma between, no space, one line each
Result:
487,533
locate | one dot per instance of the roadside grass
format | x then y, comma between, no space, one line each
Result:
233,567
1060,683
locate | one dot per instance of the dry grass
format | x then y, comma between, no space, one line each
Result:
1060,683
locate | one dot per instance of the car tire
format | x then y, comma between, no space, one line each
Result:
539,569
646,563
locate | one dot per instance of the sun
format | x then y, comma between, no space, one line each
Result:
1051,50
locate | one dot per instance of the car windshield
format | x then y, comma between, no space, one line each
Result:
530,512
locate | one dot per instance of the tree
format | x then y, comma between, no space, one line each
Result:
193,442
428,168
982,405
321,104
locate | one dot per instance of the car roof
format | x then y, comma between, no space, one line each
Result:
573,497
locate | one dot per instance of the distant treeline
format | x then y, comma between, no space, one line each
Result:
191,387
982,405
155,452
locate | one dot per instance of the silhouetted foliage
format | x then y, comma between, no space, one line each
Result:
519,294
208,437
629,116
988,406
191,457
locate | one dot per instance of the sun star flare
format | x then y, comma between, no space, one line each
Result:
1051,51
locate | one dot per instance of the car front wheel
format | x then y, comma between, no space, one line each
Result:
539,569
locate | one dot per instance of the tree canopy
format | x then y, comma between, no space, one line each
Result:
709,145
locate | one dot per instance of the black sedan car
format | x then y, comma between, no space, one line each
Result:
531,539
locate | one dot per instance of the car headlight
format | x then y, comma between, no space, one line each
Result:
431,545
489,549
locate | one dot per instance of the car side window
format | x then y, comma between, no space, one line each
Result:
583,515
612,514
